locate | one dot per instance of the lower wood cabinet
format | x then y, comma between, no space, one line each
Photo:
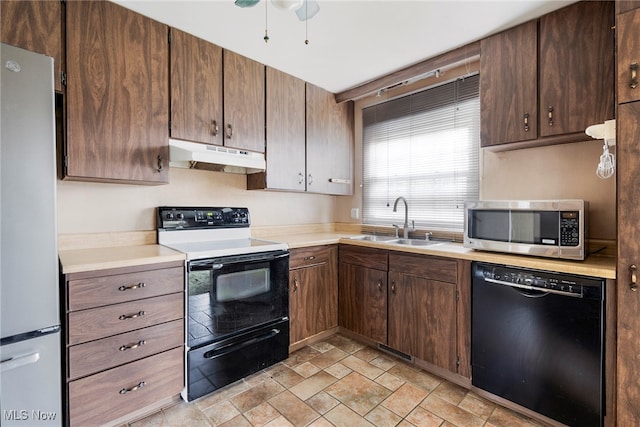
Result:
124,341
313,291
419,305
363,291
422,308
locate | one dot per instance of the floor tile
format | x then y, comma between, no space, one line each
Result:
341,416
221,412
322,402
279,422
256,395
420,417
451,412
285,376
390,381
382,417
238,421
477,405
502,417
312,385
450,392
405,399
329,358
362,367
338,370
358,393
306,369
261,414
303,355
293,409
415,376
185,415
345,344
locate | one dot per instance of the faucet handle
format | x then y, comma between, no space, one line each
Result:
413,225
428,235
397,227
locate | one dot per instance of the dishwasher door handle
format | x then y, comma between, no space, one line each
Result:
544,291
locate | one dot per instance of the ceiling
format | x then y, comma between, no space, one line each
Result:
350,41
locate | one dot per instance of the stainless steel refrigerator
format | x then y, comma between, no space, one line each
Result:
30,343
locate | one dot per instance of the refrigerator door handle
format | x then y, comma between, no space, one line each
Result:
16,362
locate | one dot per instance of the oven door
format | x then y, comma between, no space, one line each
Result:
233,294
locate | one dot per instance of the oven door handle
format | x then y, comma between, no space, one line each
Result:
213,354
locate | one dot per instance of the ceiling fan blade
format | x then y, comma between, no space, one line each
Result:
246,3
308,10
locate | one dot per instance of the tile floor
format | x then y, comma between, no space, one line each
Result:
339,382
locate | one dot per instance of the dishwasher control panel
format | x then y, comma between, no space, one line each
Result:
539,280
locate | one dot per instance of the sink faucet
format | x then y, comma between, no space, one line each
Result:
405,228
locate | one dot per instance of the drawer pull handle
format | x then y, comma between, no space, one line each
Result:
132,316
132,346
633,83
309,258
379,285
634,278
134,388
393,287
131,287
526,122
295,284
550,115
214,127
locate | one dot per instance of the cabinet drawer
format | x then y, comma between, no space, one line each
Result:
99,291
100,398
365,257
304,257
428,267
86,359
96,323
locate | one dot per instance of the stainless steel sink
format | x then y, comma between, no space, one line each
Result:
414,242
374,238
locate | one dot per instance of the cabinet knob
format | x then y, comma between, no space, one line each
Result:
634,278
393,287
295,284
300,178
633,83
550,115
380,284
160,165
229,131
214,127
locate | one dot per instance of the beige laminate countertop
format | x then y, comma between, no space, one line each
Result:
81,260
594,265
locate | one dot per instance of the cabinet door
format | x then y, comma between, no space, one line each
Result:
35,26
576,67
403,316
196,89
244,102
117,95
628,39
285,131
329,143
628,363
363,301
313,304
508,86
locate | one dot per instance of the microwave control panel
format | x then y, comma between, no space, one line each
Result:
569,228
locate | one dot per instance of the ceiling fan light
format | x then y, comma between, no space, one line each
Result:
287,4
308,10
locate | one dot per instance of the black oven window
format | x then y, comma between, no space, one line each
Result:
242,284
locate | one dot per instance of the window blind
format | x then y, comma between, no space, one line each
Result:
424,147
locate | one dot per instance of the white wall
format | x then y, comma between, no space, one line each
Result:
85,207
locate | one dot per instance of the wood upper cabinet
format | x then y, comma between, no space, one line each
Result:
285,150
628,300
196,89
117,95
628,51
561,66
35,26
244,102
363,292
422,308
508,86
329,143
576,69
313,291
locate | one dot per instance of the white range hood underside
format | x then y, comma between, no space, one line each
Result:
192,155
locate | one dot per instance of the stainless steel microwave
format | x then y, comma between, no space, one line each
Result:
547,228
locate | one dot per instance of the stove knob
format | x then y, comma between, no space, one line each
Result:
169,216
180,216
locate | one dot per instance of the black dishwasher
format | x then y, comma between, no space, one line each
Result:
537,340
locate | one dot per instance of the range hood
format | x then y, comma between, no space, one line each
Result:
192,155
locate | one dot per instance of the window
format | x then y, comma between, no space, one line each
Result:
424,147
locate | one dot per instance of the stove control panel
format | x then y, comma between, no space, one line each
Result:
184,218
